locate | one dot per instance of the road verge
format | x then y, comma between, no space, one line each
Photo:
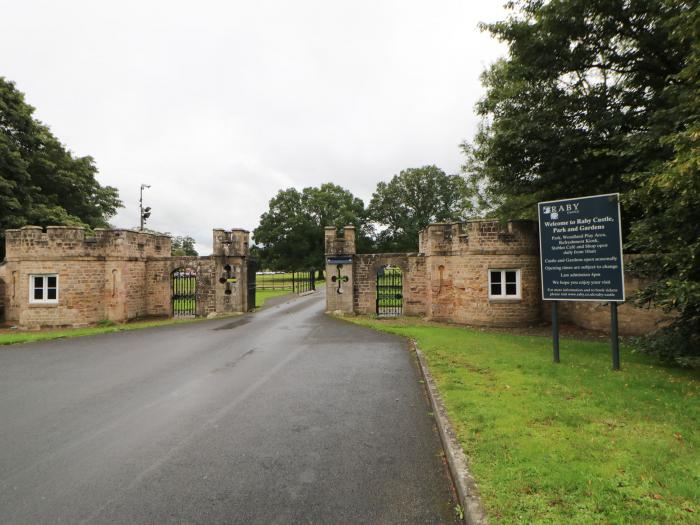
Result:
467,490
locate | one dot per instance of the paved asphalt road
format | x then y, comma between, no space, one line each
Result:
282,416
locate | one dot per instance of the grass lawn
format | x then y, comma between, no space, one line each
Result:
263,295
13,337
568,443
10,337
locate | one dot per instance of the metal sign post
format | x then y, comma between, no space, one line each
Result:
555,332
614,337
581,257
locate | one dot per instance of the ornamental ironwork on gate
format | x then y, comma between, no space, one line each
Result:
389,291
251,268
183,283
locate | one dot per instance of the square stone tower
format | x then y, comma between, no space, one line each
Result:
340,252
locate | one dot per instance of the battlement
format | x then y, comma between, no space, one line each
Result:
480,237
232,243
344,245
55,242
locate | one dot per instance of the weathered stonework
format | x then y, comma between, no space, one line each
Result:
449,279
339,278
116,275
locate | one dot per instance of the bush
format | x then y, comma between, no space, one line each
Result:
678,343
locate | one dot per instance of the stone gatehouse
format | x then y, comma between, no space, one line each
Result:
481,273
64,276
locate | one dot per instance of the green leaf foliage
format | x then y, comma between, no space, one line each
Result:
599,96
580,102
41,182
183,246
413,199
668,195
291,233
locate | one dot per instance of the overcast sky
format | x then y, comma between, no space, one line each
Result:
218,105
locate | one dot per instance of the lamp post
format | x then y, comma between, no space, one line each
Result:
144,213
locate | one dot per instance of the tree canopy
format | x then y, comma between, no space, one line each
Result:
41,182
599,96
667,232
183,245
291,233
413,199
580,103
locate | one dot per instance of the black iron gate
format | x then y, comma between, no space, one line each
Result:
251,268
304,281
389,291
183,283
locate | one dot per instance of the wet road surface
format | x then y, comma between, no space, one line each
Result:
282,416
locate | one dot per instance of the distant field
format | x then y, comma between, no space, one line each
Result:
293,281
263,295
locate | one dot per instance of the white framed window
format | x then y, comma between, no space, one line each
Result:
504,284
43,289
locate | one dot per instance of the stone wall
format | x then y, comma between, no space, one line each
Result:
2,294
449,279
459,290
413,268
632,320
115,274
459,257
339,295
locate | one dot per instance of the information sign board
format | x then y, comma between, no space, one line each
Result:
581,249
339,260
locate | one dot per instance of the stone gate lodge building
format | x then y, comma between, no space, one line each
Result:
479,273
64,276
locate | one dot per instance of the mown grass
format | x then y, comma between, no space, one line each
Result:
569,443
263,295
14,337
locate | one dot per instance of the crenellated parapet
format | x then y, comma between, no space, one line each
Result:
336,245
57,242
480,237
231,243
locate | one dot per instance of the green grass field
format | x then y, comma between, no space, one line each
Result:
283,281
14,337
573,443
263,295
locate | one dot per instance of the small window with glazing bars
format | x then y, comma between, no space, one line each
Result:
504,284
43,289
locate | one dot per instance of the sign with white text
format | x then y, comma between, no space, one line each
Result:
581,249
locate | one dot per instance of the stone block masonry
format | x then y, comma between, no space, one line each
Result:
116,275
339,277
480,273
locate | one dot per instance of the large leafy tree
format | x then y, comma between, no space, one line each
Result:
41,182
668,230
291,233
183,246
601,96
413,199
580,102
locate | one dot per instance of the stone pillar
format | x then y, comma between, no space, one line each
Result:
340,252
230,254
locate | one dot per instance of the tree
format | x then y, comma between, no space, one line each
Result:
41,182
601,96
412,200
183,246
579,104
668,231
291,233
